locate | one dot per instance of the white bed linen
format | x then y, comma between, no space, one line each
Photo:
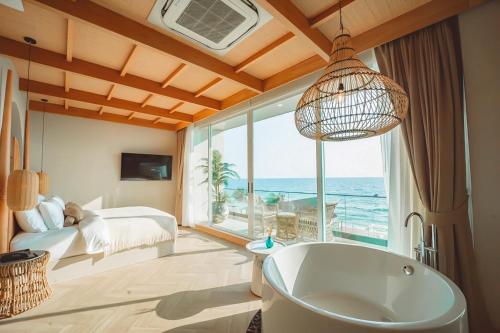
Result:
128,227
131,227
61,243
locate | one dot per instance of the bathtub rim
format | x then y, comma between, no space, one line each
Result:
454,313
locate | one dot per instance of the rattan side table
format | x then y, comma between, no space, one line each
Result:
23,283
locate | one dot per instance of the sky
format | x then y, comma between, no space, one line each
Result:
281,152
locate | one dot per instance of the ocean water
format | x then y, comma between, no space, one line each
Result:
361,202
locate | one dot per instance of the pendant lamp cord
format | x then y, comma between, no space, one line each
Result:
43,134
340,14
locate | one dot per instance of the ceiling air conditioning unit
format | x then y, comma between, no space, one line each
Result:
216,24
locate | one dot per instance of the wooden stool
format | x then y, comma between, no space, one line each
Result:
23,282
287,226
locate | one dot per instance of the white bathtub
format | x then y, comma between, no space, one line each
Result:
331,287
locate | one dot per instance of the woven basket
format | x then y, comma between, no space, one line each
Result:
23,284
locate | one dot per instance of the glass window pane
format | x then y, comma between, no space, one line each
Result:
200,190
229,175
285,197
354,182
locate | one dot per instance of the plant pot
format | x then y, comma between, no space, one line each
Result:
220,211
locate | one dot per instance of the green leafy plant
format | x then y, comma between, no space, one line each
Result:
222,173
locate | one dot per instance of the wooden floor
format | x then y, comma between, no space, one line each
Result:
204,287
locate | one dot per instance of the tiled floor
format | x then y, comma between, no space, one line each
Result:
204,287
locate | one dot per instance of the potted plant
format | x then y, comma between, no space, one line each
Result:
222,173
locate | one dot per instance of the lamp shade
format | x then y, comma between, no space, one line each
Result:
43,179
22,190
349,101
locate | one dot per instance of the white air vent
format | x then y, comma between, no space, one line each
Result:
216,24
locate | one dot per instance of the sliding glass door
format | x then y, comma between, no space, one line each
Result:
229,175
285,186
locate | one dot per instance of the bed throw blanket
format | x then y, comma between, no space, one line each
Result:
118,229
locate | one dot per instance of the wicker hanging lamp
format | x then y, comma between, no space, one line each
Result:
349,101
43,177
22,185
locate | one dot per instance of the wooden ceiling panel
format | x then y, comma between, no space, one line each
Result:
87,83
116,111
163,102
144,116
288,54
192,78
151,64
46,26
189,108
223,89
362,15
268,33
130,94
313,7
99,46
39,72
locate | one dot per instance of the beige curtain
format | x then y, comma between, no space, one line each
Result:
181,145
427,64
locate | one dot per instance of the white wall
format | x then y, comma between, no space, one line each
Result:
479,29
82,158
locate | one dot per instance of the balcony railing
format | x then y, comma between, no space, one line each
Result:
356,217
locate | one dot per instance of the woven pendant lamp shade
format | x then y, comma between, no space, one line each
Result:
43,179
22,190
349,101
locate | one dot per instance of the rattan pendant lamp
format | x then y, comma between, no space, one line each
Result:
43,176
349,101
22,185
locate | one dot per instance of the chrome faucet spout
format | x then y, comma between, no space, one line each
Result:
422,241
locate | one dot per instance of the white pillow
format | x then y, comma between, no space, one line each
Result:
52,213
30,220
59,201
41,198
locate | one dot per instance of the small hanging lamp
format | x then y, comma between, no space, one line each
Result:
22,185
43,176
349,101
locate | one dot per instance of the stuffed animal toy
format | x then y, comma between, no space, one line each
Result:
73,213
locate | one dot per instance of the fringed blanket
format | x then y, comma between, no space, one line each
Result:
117,229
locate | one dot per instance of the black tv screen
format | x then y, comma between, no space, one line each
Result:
146,167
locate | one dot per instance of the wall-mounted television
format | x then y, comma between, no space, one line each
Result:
146,167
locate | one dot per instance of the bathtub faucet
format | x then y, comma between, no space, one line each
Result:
425,254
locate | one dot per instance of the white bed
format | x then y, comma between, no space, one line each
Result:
135,234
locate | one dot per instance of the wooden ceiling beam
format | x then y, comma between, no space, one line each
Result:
288,14
92,98
147,100
238,97
109,96
294,72
176,107
132,114
207,87
70,33
66,104
259,54
66,81
205,113
172,75
157,120
101,110
180,125
128,61
327,14
105,18
45,57
90,114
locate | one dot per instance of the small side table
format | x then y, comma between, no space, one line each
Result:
260,251
23,283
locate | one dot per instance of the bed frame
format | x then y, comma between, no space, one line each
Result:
87,264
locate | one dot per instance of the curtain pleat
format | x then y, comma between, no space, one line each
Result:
181,144
427,64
